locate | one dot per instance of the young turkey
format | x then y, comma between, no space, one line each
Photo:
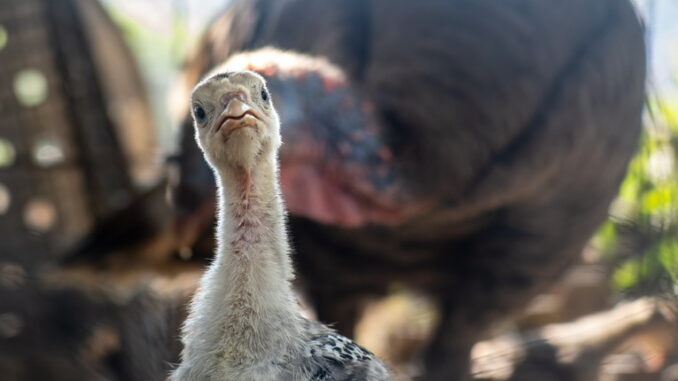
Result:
245,323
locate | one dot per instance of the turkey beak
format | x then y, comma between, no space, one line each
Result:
236,109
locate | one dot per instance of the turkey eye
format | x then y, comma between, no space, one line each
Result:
264,95
199,113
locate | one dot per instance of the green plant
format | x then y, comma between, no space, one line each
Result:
641,237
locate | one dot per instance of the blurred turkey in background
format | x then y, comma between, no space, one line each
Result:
420,181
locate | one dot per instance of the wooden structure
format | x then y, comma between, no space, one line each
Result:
62,163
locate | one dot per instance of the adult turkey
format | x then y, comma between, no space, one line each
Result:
468,149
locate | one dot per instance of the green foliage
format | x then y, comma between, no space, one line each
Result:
641,236
153,46
159,50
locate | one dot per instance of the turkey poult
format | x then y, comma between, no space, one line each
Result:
245,323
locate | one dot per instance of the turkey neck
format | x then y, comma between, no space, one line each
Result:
253,259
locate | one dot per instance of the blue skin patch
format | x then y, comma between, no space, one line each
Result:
338,120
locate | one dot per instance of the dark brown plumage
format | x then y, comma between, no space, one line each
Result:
501,128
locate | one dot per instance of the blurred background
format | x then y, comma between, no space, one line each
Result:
481,189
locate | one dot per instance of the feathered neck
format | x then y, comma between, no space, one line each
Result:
251,223
244,311
252,242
